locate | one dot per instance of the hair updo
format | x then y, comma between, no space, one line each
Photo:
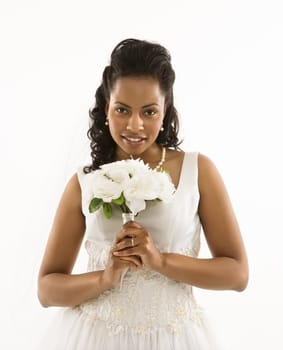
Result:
132,57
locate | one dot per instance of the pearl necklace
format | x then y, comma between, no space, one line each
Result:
162,160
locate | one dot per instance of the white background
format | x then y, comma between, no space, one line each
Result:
228,60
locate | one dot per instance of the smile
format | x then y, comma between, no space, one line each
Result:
134,140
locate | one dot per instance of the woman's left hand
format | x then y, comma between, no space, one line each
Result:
134,239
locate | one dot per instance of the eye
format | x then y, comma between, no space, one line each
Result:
150,112
121,110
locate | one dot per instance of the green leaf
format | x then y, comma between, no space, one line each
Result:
95,204
107,210
120,200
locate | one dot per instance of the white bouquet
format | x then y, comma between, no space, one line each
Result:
128,184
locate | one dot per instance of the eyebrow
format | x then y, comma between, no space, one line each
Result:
145,106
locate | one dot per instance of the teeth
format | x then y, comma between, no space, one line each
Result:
133,139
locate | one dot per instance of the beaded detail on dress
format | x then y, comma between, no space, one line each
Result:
145,304
147,301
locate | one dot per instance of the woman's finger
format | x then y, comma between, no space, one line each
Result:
133,259
127,242
129,229
127,252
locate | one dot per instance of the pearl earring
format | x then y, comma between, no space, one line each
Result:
162,129
106,122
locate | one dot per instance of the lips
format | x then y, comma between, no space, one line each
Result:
133,139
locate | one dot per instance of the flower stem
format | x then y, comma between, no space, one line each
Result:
125,208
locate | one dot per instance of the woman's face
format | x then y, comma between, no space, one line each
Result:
135,113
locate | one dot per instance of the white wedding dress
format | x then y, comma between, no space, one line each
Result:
148,311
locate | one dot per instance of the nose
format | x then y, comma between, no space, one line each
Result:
135,123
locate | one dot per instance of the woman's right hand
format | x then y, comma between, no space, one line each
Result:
116,266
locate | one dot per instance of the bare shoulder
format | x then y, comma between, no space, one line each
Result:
72,191
205,163
66,233
208,174
70,205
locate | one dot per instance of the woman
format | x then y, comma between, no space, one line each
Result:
154,308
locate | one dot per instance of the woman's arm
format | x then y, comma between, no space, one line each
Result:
56,285
228,268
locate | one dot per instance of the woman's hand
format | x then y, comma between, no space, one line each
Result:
135,241
116,266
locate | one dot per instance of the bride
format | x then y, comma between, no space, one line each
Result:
152,306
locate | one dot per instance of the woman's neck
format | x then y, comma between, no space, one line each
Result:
151,156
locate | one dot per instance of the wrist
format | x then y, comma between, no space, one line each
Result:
104,281
161,263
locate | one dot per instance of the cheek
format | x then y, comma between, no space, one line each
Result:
154,128
116,124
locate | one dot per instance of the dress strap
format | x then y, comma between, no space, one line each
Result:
189,173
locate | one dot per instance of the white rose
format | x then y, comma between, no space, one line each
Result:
114,166
136,166
166,188
136,205
119,176
141,187
103,187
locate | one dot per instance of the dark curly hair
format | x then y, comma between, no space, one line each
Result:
132,57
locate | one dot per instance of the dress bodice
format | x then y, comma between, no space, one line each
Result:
175,227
